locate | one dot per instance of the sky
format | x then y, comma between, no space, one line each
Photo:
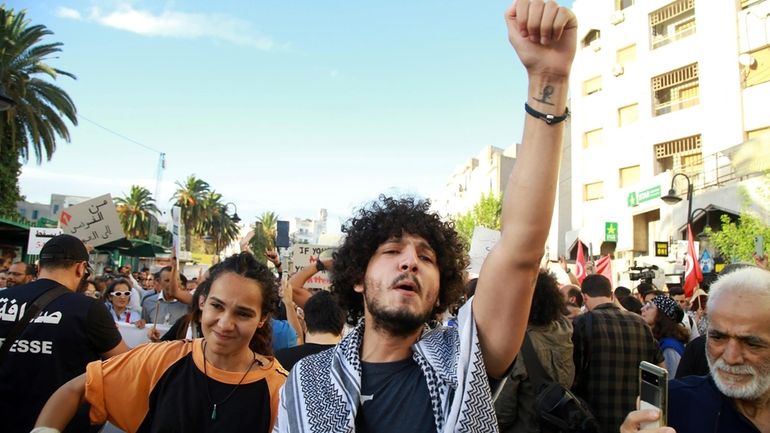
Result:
283,106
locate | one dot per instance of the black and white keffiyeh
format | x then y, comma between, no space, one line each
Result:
323,391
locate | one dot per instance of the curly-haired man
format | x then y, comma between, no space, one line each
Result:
401,265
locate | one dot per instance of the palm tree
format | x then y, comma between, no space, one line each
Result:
37,117
135,211
269,222
217,223
189,197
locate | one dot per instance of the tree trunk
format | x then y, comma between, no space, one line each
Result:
10,169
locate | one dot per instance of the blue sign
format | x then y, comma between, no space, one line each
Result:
706,262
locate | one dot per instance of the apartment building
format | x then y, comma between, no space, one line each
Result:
665,91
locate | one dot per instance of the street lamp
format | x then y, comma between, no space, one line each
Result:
235,218
673,198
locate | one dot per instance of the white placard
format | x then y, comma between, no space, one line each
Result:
483,241
94,221
305,255
176,228
38,236
134,336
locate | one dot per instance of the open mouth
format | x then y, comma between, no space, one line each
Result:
406,285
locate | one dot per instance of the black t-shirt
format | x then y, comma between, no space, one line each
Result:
290,355
71,331
394,398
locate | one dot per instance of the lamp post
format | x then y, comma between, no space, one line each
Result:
672,198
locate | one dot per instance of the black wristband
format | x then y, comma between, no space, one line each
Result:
547,118
319,266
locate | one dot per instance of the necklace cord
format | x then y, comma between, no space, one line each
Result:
206,379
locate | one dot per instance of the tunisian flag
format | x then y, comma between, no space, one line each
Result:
604,267
580,263
692,272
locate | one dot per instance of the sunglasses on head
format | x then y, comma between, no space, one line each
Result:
128,293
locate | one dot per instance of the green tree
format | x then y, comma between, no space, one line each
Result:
485,213
189,196
217,224
135,211
265,230
735,242
37,119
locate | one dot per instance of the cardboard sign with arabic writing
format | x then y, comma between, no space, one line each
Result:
94,221
38,236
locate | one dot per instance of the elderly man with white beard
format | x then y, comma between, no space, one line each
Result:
735,396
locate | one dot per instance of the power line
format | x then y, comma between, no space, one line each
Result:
118,134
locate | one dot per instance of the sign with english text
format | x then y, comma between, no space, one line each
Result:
305,255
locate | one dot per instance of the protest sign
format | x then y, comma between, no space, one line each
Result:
482,242
305,255
94,221
38,236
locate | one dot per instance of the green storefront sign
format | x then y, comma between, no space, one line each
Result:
634,198
610,232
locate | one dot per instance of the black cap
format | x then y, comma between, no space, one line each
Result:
64,247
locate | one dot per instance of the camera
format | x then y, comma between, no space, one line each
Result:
644,273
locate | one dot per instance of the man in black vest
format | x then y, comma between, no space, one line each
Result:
70,332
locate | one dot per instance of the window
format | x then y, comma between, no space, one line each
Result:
626,55
55,209
758,69
592,85
592,138
748,3
593,191
680,155
592,38
757,132
628,114
622,4
34,214
675,90
629,176
671,23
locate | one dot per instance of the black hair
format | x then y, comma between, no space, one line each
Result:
384,219
644,288
675,291
183,278
547,302
111,288
596,285
323,314
632,304
663,326
575,292
621,292
247,266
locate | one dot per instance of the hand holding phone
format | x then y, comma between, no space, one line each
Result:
653,392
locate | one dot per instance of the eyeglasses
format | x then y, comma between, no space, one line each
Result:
120,293
647,305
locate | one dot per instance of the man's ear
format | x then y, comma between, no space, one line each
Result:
358,288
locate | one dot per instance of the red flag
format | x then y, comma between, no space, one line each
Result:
604,267
692,272
580,263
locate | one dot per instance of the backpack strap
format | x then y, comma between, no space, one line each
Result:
38,304
535,370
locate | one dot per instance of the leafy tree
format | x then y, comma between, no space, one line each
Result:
269,221
38,117
135,212
216,223
189,196
735,242
485,213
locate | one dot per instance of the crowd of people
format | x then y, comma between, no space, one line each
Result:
402,341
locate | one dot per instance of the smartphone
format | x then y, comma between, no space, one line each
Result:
653,391
759,246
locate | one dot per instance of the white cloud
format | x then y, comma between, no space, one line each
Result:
65,12
180,25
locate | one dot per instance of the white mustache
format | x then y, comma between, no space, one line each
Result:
720,364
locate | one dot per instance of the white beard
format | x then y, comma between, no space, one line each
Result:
753,390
